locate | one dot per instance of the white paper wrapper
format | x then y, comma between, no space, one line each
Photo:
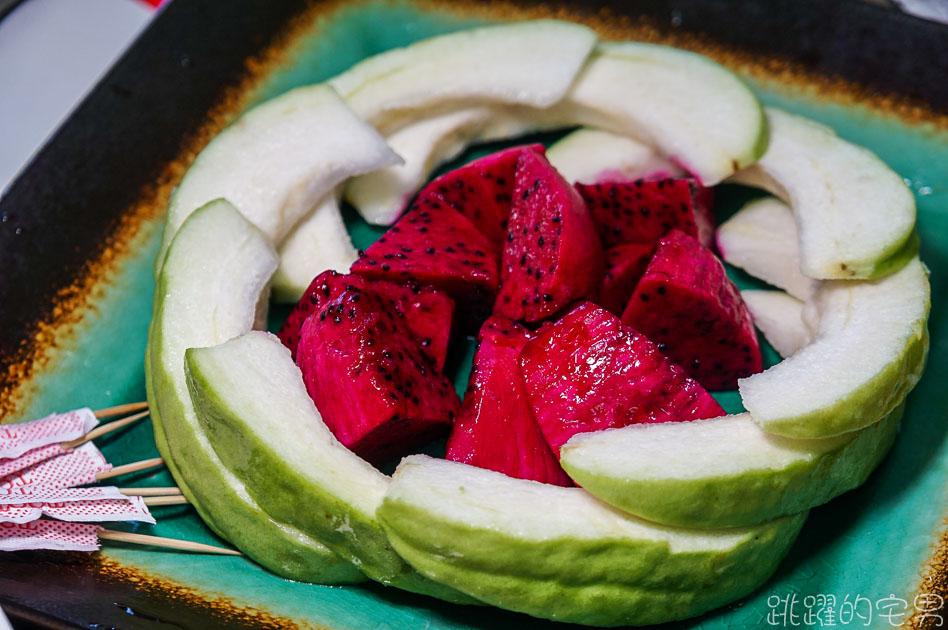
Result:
49,535
77,467
20,495
30,458
126,509
19,438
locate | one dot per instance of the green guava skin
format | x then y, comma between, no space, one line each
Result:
592,581
830,468
865,406
194,466
289,496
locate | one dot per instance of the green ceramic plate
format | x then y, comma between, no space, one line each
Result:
860,561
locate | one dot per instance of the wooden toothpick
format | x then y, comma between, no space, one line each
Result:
130,468
119,410
168,500
105,428
150,492
167,543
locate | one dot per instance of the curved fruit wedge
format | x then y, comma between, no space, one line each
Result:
868,353
278,160
251,400
527,63
380,196
207,291
694,111
723,472
591,156
558,553
780,317
318,243
761,239
856,217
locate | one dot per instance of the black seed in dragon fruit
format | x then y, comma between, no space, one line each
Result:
686,303
587,372
552,254
427,312
369,379
496,429
432,244
643,211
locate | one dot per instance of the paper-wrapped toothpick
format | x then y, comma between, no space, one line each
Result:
77,467
41,461
19,438
126,509
44,534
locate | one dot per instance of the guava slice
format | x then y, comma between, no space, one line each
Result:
559,553
425,144
382,195
722,472
318,243
216,268
592,156
855,215
694,111
278,160
527,63
761,239
780,317
250,399
868,353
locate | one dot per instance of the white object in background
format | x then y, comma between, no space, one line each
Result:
52,52
936,10
4,622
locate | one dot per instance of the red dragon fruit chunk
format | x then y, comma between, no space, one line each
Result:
643,211
625,264
496,429
552,254
369,379
434,245
686,303
588,372
482,191
428,313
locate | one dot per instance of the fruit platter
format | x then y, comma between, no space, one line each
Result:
518,321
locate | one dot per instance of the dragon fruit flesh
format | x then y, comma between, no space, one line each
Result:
588,372
426,312
552,255
643,211
435,245
482,191
496,428
686,304
625,264
369,379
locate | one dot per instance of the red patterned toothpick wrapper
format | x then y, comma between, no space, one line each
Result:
38,494
22,437
77,467
125,509
15,464
49,535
